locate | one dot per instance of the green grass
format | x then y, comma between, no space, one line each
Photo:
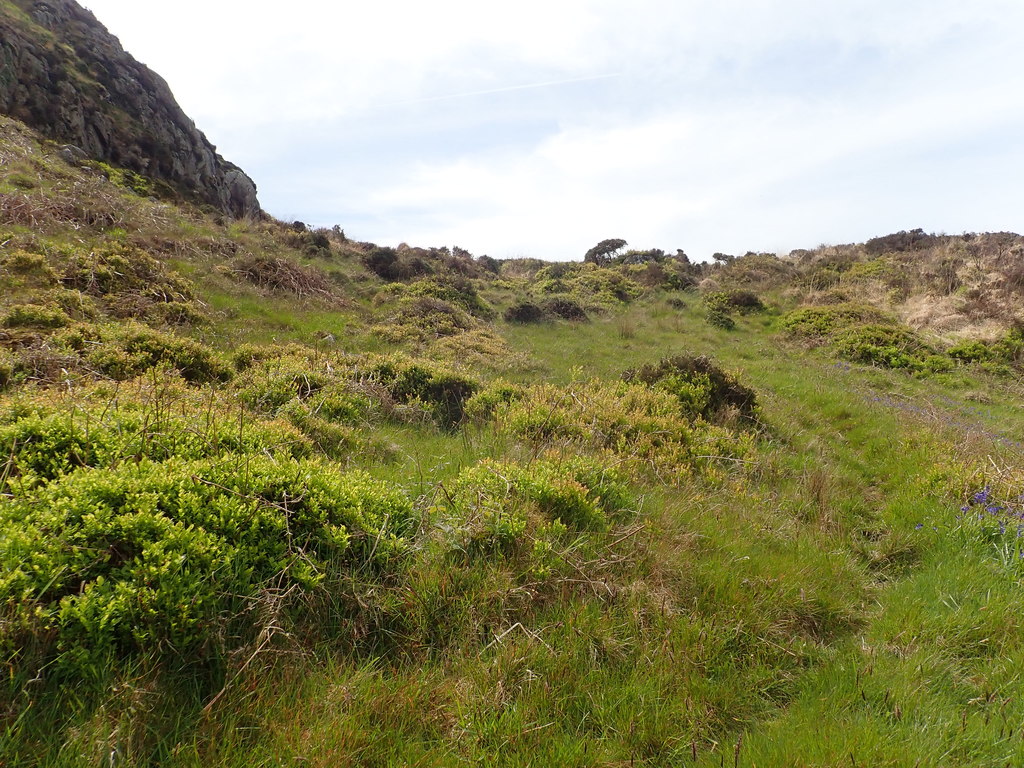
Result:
805,596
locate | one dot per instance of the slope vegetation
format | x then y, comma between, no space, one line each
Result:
271,496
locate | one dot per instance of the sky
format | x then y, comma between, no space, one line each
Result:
540,127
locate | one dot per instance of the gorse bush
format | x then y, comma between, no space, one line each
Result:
641,429
24,268
388,264
123,352
119,269
866,335
888,346
524,312
267,385
821,322
34,316
41,446
702,388
7,369
734,300
419,318
501,507
565,308
442,393
161,557
456,290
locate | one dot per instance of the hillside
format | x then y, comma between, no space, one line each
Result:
270,495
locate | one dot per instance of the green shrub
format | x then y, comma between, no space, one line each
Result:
267,385
162,559
888,346
28,268
702,388
389,265
499,507
720,318
440,392
43,445
565,308
128,350
7,369
117,269
35,316
454,290
971,351
21,181
482,405
422,317
604,286
727,301
524,312
338,441
640,427
821,322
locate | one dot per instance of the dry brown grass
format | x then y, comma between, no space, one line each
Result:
279,275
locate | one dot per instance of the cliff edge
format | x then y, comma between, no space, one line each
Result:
65,75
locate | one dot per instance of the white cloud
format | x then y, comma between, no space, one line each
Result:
705,125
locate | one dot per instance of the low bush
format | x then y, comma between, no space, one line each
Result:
640,428
7,369
35,316
442,393
888,346
821,322
166,559
125,351
421,318
283,276
458,291
702,388
500,507
727,301
45,444
118,269
389,265
565,308
720,318
482,405
524,312
267,385
20,266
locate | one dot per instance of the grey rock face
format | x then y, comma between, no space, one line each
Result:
64,74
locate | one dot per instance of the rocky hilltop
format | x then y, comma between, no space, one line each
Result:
64,74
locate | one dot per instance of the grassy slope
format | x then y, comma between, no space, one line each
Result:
785,610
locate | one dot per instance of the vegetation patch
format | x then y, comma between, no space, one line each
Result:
280,275
126,351
441,393
819,323
525,312
508,509
644,429
702,388
565,308
164,557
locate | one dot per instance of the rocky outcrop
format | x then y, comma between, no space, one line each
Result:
65,75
